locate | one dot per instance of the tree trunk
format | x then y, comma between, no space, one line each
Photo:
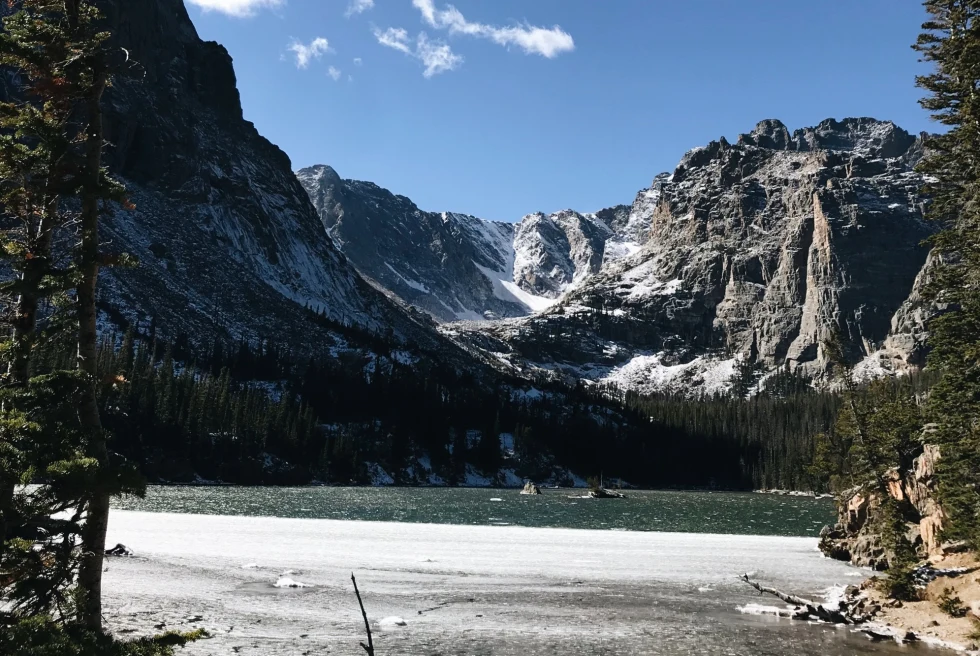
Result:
97,515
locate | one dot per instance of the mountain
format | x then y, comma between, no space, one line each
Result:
755,254
243,300
459,267
228,242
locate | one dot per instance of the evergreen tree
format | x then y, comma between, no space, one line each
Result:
37,161
51,175
950,41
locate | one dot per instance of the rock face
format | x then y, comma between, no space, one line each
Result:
855,538
459,267
756,251
228,241
450,265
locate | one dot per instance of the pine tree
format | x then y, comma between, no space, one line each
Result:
50,166
36,165
950,41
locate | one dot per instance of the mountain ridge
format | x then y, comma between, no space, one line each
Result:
734,233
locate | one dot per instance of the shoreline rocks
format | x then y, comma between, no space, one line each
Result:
854,538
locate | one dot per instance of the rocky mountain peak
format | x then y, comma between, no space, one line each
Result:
758,251
769,133
867,137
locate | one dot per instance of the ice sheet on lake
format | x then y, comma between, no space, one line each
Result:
505,591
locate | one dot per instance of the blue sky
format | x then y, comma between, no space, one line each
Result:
504,107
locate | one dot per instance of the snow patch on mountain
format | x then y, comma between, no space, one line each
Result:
702,376
505,289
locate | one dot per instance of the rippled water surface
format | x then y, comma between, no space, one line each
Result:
689,512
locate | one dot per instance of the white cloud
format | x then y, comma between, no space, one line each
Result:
334,73
306,53
547,42
238,8
358,7
358,61
436,56
394,37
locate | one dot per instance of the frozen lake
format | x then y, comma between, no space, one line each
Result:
471,590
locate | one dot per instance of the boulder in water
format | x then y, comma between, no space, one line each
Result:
531,488
603,493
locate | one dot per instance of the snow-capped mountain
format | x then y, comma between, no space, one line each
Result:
757,251
460,267
754,251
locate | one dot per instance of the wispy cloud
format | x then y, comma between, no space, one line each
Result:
436,56
358,7
547,42
305,53
358,61
334,72
237,8
394,37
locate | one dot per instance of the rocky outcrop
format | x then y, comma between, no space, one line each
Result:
856,536
531,489
755,251
558,251
459,267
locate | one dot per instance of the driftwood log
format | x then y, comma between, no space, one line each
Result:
853,610
807,609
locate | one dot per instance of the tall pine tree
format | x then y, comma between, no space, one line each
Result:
950,41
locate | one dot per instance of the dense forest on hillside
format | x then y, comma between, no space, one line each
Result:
256,413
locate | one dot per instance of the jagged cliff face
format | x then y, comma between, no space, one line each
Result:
449,265
459,267
227,239
758,250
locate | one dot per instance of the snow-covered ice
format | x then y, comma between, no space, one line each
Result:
461,589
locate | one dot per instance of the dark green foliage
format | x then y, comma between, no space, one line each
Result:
876,437
950,41
52,190
900,583
39,636
327,418
766,441
951,605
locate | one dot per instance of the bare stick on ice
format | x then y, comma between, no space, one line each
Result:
369,647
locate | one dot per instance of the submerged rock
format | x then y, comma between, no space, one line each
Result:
531,488
602,493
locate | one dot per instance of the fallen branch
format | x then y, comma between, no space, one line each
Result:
369,647
853,609
807,609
